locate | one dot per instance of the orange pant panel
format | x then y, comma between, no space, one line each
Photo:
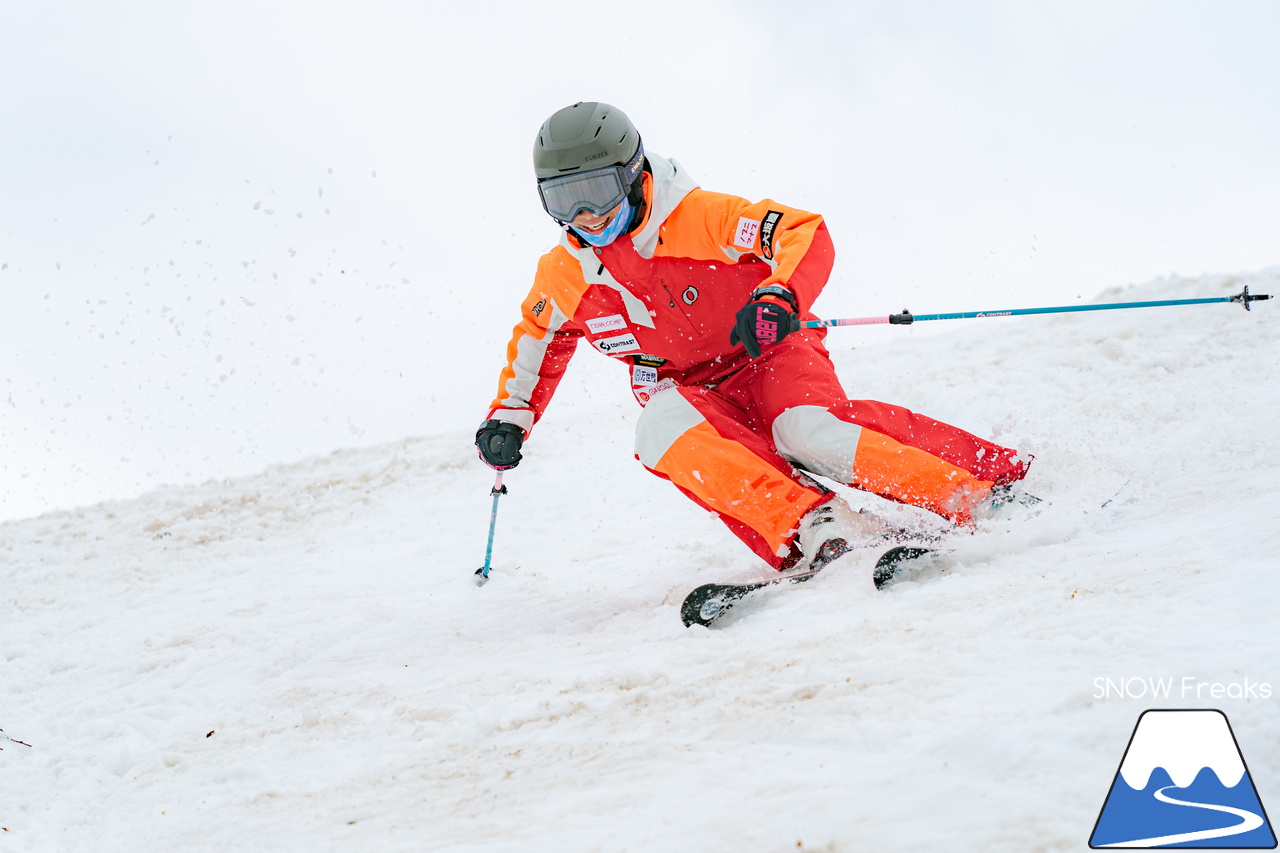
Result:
909,475
732,480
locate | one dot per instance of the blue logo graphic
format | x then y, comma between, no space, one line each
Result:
1183,783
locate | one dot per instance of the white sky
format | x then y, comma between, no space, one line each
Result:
241,233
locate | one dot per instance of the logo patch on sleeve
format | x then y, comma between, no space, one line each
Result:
767,228
745,236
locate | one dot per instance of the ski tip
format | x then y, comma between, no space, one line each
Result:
706,604
702,606
891,561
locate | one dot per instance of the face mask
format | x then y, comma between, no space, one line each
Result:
617,226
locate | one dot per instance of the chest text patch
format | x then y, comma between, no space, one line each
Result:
641,375
612,323
617,344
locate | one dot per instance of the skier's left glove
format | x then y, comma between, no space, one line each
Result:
767,318
499,443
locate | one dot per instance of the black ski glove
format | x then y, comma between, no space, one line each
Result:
499,443
769,317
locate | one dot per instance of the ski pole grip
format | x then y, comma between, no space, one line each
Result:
1245,297
903,319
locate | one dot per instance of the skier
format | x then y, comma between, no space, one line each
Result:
699,295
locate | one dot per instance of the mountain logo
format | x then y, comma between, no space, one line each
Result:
1183,783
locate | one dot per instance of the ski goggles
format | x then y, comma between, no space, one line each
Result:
598,190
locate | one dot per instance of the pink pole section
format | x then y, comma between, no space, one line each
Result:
853,321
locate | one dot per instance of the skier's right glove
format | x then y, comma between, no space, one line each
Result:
499,443
766,319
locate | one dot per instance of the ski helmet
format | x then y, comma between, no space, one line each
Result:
588,137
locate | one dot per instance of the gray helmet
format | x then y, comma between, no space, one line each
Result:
587,135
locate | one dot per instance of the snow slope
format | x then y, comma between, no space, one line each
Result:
299,661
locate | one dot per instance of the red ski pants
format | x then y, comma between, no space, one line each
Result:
731,448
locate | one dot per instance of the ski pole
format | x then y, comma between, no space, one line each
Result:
906,317
498,490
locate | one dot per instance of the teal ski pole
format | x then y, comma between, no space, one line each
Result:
906,317
498,490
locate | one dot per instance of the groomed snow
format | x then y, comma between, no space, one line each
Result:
299,660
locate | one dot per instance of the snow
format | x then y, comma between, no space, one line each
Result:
300,661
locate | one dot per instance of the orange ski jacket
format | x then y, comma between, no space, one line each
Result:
663,298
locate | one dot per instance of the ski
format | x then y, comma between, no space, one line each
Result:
893,561
709,602
706,604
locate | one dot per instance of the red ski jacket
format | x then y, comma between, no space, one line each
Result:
663,298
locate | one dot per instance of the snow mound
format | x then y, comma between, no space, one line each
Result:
299,660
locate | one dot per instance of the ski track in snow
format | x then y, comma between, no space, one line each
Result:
299,660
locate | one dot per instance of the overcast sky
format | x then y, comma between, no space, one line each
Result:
242,233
